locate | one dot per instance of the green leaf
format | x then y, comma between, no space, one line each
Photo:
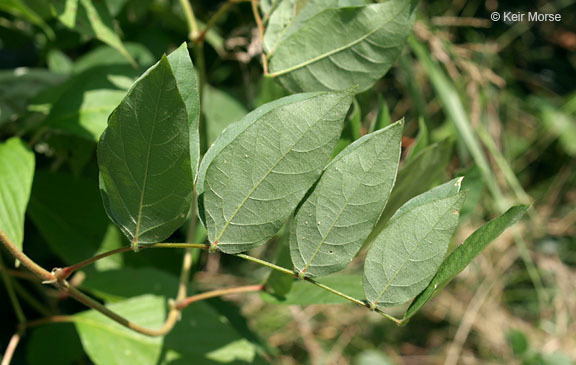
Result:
117,285
407,253
291,15
220,110
465,253
146,179
422,140
18,87
66,11
101,24
305,293
107,56
414,178
336,218
279,284
202,337
68,213
258,170
43,340
185,76
338,48
16,171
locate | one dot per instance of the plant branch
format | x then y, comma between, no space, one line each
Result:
12,294
217,293
199,39
171,320
258,20
25,260
12,347
320,285
64,273
190,19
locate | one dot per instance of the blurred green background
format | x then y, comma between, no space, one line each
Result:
494,101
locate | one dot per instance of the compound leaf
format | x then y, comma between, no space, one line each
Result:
258,170
341,47
331,225
405,256
16,175
146,178
465,253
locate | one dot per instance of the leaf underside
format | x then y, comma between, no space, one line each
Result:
334,220
465,253
341,47
405,256
261,167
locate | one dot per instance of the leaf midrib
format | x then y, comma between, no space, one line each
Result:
228,221
324,237
141,203
410,254
334,51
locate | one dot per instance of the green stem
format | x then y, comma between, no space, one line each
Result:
217,293
25,260
320,285
12,294
190,19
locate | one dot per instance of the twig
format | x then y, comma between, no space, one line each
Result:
258,20
190,19
25,260
171,320
11,294
217,293
12,347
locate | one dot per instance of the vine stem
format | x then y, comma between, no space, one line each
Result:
190,19
258,20
217,293
12,347
12,294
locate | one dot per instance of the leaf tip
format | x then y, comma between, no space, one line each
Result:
458,182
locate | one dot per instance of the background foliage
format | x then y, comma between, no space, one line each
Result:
490,100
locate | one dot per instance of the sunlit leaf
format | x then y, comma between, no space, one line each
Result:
341,47
336,218
255,174
405,256
465,253
16,174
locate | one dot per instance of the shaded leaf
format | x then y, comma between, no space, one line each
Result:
278,283
43,340
185,76
101,24
336,218
144,158
305,293
202,337
220,110
87,99
465,253
16,172
255,174
66,11
68,213
18,87
405,256
338,48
